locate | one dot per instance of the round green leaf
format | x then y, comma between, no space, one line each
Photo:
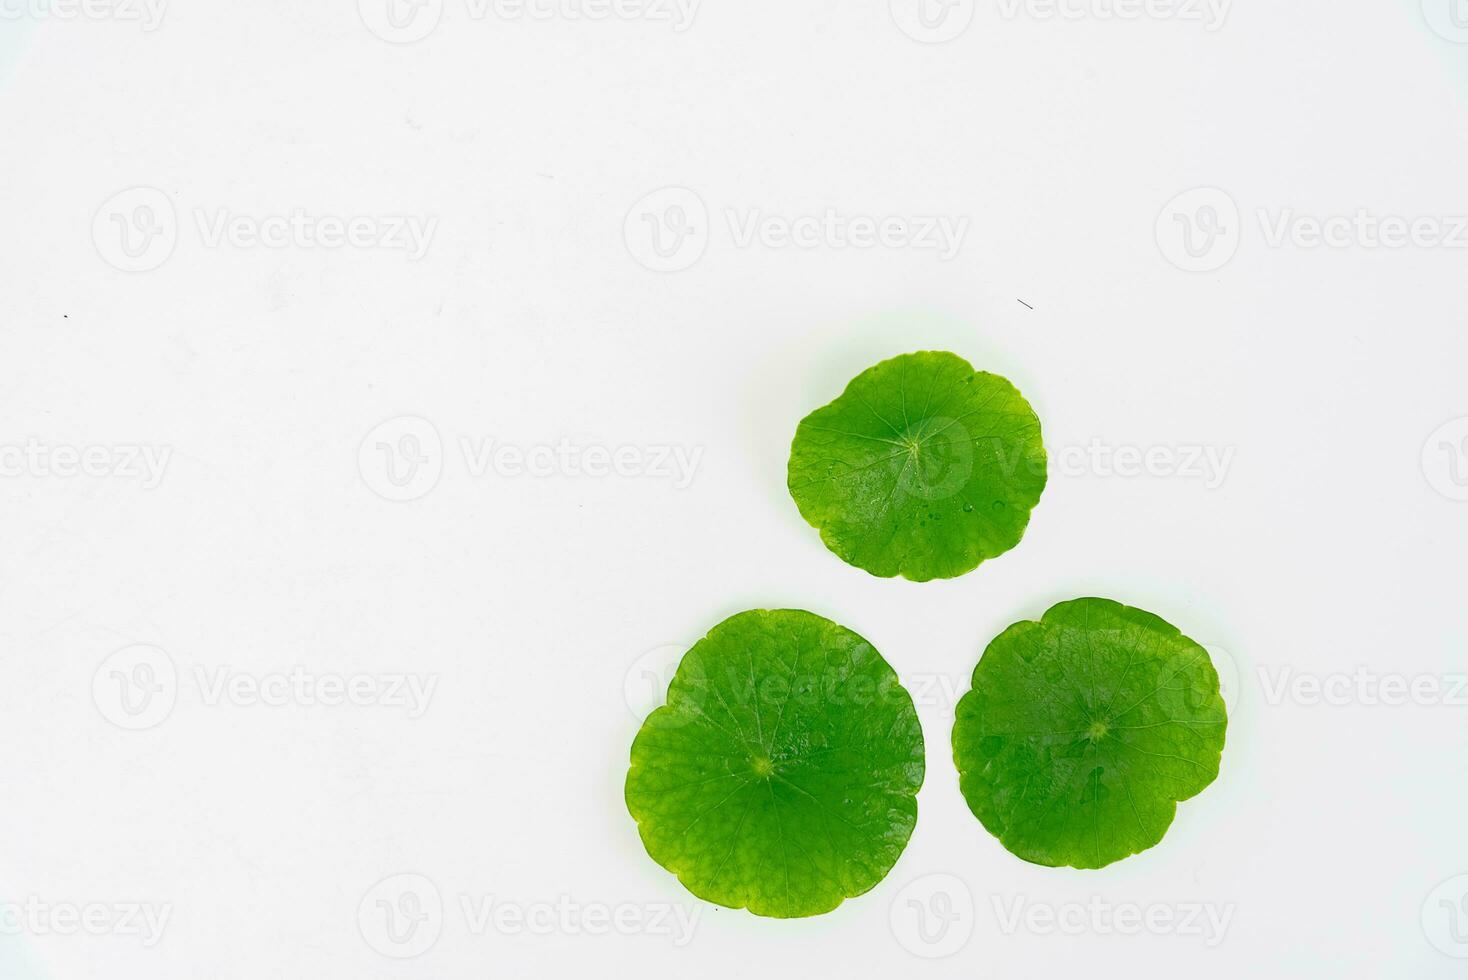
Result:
922,468
781,775
1083,731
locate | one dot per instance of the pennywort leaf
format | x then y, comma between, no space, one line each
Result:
922,468
781,775
1083,731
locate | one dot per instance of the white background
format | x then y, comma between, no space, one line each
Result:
536,602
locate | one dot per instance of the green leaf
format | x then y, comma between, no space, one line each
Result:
781,774
1083,731
922,468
